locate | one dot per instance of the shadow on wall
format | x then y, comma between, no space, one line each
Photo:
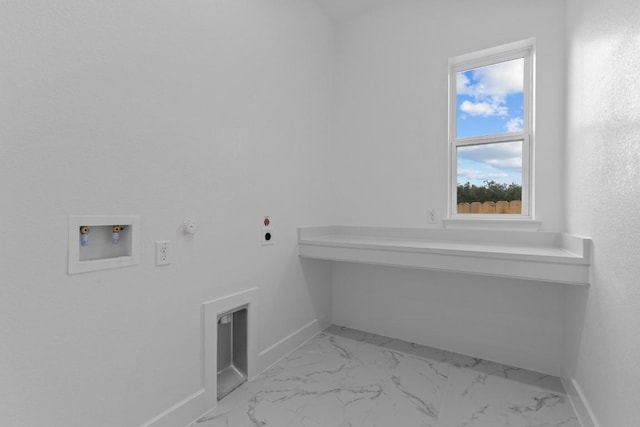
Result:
576,303
516,322
318,280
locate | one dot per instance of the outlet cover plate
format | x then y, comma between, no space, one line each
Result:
266,234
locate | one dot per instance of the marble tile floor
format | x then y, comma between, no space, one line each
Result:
347,378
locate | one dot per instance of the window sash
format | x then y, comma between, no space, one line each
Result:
526,175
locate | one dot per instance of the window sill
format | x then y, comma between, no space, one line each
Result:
541,256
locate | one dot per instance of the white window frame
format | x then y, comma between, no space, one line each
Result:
523,49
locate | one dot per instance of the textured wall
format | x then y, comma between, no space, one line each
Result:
214,110
602,176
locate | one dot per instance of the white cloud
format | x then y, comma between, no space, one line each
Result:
499,80
465,175
483,109
504,155
463,85
508,163
514,125
489,87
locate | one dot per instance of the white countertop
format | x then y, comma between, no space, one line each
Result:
543,256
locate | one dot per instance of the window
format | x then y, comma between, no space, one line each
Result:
490,132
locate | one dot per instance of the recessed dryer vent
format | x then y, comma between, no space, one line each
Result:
232,350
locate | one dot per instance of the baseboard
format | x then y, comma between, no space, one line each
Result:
184,410
205,399
199,402
271,355
579,403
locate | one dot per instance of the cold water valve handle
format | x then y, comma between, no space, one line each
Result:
84,236
115,234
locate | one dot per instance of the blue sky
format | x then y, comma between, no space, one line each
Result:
490,101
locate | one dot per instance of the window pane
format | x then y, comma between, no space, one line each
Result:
489,99
491,175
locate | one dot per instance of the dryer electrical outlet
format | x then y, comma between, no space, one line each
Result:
267,236
266,233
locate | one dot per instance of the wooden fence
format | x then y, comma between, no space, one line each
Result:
512,207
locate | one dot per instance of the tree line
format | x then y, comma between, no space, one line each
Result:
491,191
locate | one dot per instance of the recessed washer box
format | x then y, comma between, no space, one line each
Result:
94,243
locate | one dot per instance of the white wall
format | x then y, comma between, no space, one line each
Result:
213,110
516,322
391,104
602,176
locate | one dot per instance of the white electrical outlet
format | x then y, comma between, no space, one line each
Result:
162,252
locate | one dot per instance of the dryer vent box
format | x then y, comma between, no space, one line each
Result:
232,350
